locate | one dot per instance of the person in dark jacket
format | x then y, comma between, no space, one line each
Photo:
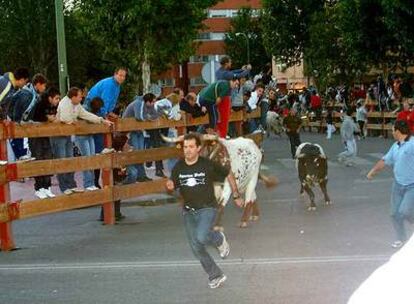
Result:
44,111
10,83
189,105
21,110
292,124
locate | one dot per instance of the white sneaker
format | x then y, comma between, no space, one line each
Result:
48,192
224,248
68,191
26,158
107,150
92,188
40,193
77,190
214,283
397,244
3,162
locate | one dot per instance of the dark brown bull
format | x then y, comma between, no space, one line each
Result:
312,168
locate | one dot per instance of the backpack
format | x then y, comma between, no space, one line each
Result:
22,104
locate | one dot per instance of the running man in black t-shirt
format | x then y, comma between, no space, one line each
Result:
194,177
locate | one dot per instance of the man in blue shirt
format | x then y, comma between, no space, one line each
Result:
401,158
108,89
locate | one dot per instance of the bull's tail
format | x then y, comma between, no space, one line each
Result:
270,181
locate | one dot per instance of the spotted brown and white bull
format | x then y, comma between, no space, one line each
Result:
243,156
312,168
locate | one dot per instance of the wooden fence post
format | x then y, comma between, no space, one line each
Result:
107,181
6,235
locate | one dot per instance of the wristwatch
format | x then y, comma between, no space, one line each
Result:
236,196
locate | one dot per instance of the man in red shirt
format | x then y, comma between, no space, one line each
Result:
316,104
407,115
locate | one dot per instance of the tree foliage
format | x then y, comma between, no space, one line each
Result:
340,39
248,24
286,28
144,35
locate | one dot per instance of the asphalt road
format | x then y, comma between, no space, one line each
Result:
289,256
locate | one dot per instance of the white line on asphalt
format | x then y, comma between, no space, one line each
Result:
186,263
294,199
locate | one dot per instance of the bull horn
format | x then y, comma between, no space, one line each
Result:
300,155
214,152
172,139
209,137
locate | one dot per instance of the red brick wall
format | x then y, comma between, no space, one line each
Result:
235,4
218,25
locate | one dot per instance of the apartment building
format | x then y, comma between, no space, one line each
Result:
210,47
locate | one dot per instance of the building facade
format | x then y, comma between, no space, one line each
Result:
210,47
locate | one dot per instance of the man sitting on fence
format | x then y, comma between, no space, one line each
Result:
69,111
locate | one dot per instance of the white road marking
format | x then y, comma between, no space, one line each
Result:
294,199
187,263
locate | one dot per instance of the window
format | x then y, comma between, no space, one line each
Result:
166,82
199,58
218,13
203,36
217,36
197,81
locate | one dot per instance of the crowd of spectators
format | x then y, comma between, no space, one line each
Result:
24,99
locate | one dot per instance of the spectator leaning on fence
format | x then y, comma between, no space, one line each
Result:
9,84
189,105
142,108
21,110
253,103
44,111
69,111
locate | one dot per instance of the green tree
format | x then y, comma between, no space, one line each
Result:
286,28
249,25
144,35
28,35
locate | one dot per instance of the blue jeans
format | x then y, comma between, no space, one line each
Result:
17,145
136,140
62,147
86,146
198,224
402,208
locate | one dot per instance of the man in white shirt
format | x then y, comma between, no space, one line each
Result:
69,111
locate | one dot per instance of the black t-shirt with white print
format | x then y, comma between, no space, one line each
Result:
196,181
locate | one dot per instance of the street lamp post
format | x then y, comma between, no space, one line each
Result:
61,46
247,42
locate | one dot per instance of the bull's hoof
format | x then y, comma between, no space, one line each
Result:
254,218
243,225
218,228
328,203
311,208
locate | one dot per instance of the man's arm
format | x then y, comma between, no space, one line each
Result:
377,167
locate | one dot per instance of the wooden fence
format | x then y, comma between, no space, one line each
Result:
380,121
10,211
